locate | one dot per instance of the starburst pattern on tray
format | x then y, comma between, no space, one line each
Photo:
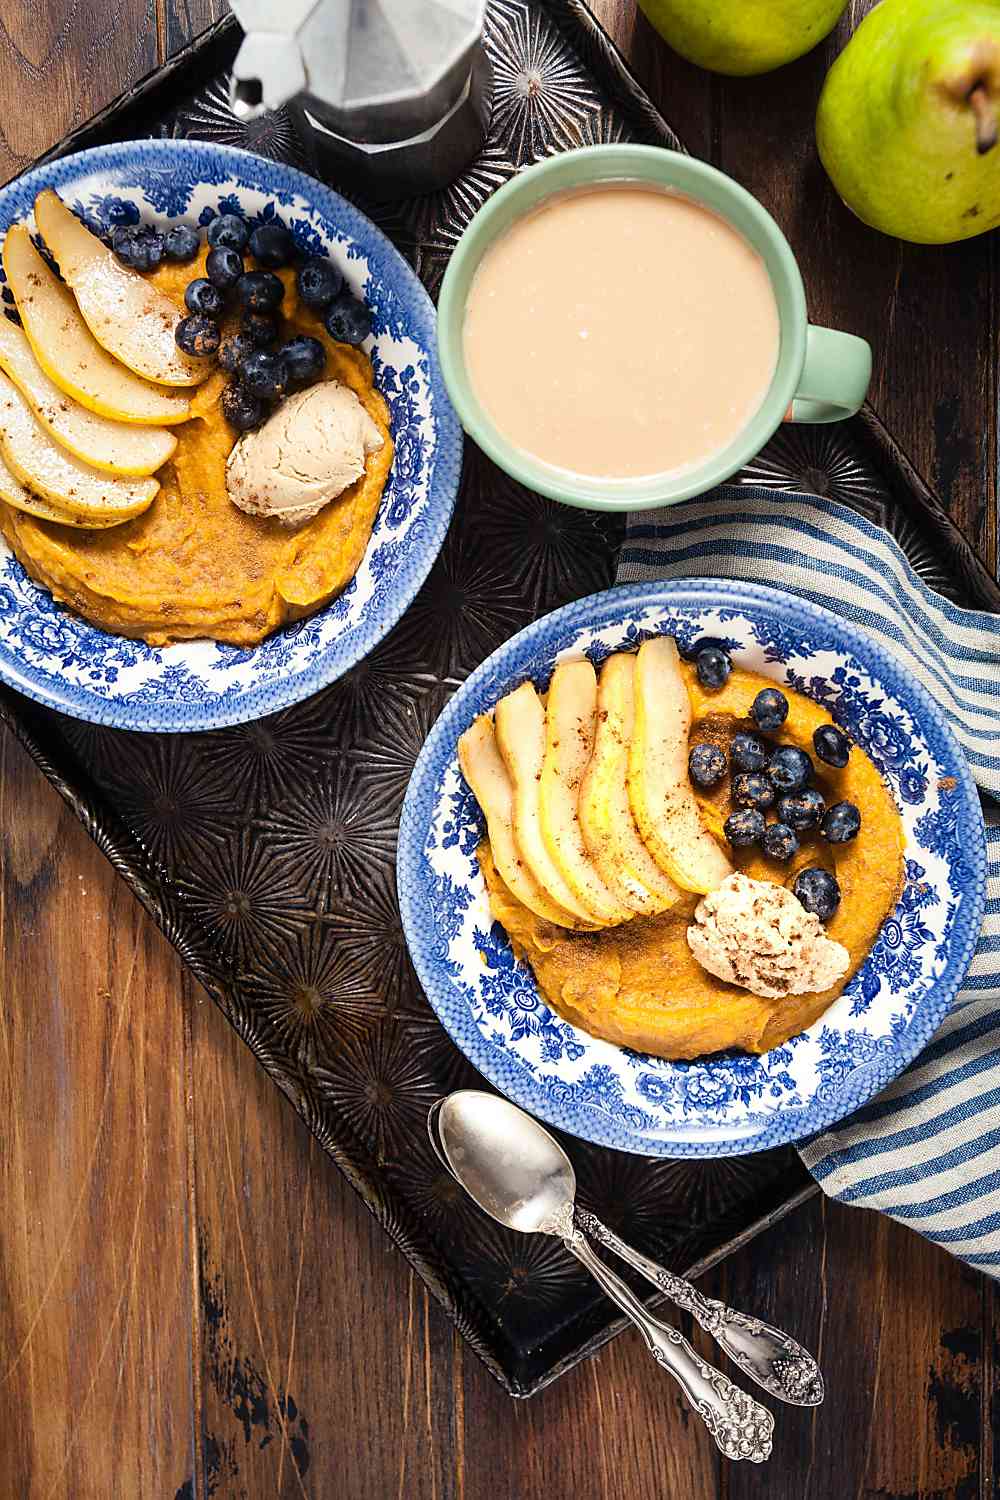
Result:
309,998
254,758
433,1192
388,751
210,118
541,95
631,1193
379,1089
238,895
172,801
369,937
520,1274
816,460
332,836
468,604
555,552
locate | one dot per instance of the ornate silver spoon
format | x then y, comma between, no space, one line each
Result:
772,1358
521,1177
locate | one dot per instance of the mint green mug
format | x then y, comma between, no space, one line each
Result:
821,375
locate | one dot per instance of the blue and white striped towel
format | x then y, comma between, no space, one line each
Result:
924,1151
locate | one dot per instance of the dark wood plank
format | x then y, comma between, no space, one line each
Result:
183,19
95,1256
899,1330
59,63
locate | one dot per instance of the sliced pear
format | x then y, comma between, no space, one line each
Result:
519,725
14,493
606,820
660,795
483,768
67,350
114,447
128,316
42,466
570,708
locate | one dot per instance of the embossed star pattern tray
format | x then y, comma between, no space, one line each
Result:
266,852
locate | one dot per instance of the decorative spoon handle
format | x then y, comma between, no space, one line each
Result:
773,1359
741,1427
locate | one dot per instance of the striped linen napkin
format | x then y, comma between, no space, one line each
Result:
924,1151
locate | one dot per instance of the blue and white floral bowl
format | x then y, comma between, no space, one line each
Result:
53,656
731,1103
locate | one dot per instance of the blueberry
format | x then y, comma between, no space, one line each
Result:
200,296
748,752
841,823
801,809
260,291
271,245
123,243
818,892
713,666
318,281
224,267
706,765
228,232
264,375
744,827
261,329
234,351
197,335
779,841
348,320
790,768
150,245
831,745
769,709
240,409
751,789
138,246
181,243
305,358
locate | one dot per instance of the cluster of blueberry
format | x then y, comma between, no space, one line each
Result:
766,777
263,370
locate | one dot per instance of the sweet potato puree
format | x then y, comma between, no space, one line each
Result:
193,565
639,986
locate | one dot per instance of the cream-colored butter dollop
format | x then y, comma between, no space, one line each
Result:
760,936
306,454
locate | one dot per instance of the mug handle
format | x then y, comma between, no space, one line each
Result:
835,376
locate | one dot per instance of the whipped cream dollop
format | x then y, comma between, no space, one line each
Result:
760,936
306,454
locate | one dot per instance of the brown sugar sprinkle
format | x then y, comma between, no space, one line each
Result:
947,784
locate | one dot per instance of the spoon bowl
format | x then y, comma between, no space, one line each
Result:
506,1162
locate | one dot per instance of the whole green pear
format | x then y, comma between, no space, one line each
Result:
742,36
907,120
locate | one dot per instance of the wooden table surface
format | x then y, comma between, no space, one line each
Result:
192,1301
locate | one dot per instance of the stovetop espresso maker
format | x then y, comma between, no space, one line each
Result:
390,96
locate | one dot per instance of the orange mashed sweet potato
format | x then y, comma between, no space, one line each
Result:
193,565
639,986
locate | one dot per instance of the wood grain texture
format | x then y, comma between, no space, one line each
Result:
193,1305
95,1254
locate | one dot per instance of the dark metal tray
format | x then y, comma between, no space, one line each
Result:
266,852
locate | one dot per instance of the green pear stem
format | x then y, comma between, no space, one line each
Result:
986,118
